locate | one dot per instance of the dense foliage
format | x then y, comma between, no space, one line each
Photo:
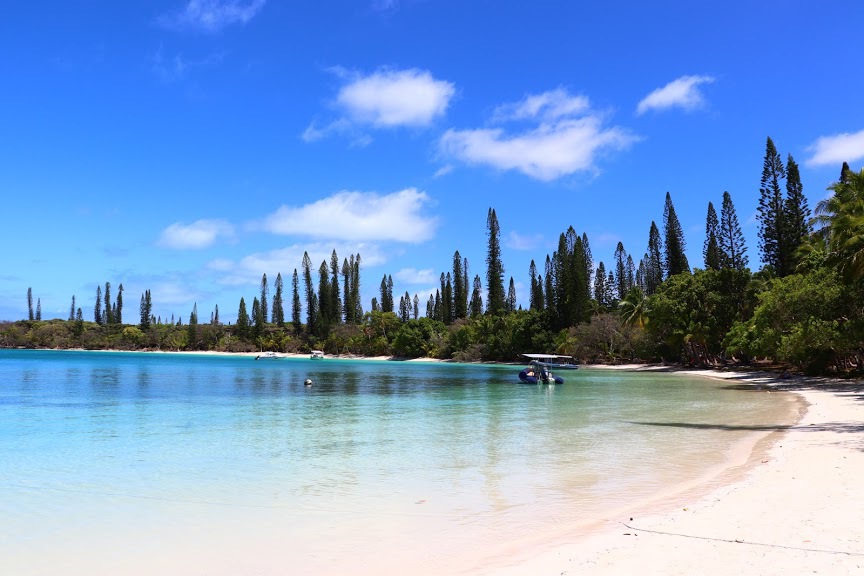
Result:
804,309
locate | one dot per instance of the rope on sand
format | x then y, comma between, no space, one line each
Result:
737,541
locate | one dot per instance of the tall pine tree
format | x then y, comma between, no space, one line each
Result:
355,289
476,306
118,313
242,319
796,216
770,212
278,310
311,297
536,298
621,285
349,307
511,297
494,266
145,310
675,261
335,298
325,301
295,302
733,250
654,261
460,289
711,248
97,310
265,292
600,285
108,316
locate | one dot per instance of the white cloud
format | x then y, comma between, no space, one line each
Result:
844,147
384,99
547,152
414,276
518,241
199,234
680,93
213,15
248,270
548,106
564,136
389,98
358,216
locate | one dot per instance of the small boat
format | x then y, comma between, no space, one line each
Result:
268,356
539,369
317,355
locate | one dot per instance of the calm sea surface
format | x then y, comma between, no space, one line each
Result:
180,464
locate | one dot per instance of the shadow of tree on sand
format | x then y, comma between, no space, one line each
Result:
839,427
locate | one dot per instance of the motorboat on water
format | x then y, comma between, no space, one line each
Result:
317,355
268,356
539,369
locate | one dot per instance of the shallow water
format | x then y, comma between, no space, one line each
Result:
182,464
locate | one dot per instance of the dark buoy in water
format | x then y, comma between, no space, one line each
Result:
308,382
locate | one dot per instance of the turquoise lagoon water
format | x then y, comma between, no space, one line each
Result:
183,464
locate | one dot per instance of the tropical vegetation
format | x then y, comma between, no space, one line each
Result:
803,309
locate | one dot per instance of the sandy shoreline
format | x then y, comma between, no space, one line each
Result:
798,511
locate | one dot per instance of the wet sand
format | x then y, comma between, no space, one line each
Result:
798,511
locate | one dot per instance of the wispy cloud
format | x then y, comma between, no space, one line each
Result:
177,67
844,147
680,93
199,234
386,98
358,216
342,127
443,171
565,137
212,15
248,270
548,106
414,276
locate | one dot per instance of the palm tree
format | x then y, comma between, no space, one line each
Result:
634,307
840,222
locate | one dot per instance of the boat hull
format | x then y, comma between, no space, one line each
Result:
525,378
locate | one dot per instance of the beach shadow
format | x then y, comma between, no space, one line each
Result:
838,427
706,426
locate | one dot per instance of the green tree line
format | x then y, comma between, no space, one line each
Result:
803,308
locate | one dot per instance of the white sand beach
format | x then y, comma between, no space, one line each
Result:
798,511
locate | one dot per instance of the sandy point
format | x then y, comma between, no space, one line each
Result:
798,511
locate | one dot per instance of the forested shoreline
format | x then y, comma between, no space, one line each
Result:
804,308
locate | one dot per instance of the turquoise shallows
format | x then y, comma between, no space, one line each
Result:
135,459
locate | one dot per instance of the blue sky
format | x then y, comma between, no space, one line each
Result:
190,146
